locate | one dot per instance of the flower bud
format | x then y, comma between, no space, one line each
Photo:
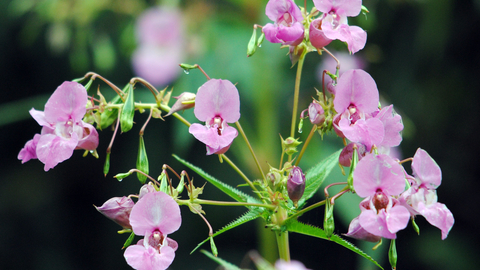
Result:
316,114
290,145
252,44
145,189
118,209
186,100
142,161
128,111
296,184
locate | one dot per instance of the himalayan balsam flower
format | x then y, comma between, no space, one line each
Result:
217,103
421,197
63,129
154,216
160,38
355,100
118,209
379,178
287,27
333,24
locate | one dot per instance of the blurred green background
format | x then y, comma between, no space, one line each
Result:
423,54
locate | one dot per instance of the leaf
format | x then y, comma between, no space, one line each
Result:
315,176
234,193
248,216
298,227
222,262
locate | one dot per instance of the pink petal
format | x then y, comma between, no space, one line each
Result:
68,102
147,258
393,126
217,98
397,218
316,35
358,232
356,87
39,116
52,149
29,151
351,7
376,172
357,40
156,210
270,32
210,137
375,224
439,216
426,169
276,8
370,132
89,141
291,34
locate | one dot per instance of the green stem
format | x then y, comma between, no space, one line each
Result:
241,174
296,94
220,203
283,246
279,218
310,135
306,209
251,150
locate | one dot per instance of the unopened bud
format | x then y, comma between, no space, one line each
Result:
328,222
128,111
118,209
295,184
186,100
290,145
252,44
316,114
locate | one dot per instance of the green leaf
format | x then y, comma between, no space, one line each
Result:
234,193
248,216
315,176
222,262
298,227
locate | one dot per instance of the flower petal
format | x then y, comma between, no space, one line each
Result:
68,102
52,149
156,210
217,98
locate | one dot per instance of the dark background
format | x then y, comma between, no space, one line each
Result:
423,55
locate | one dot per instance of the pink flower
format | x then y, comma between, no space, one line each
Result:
217,103
118,209
379,178
287,27
421,197
333,24
63,129
154,216
160,37
356,99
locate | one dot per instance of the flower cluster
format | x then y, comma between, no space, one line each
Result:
289,24
154,216
63,129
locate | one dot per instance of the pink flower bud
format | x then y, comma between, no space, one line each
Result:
316,113
296,184
118,209
186,100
